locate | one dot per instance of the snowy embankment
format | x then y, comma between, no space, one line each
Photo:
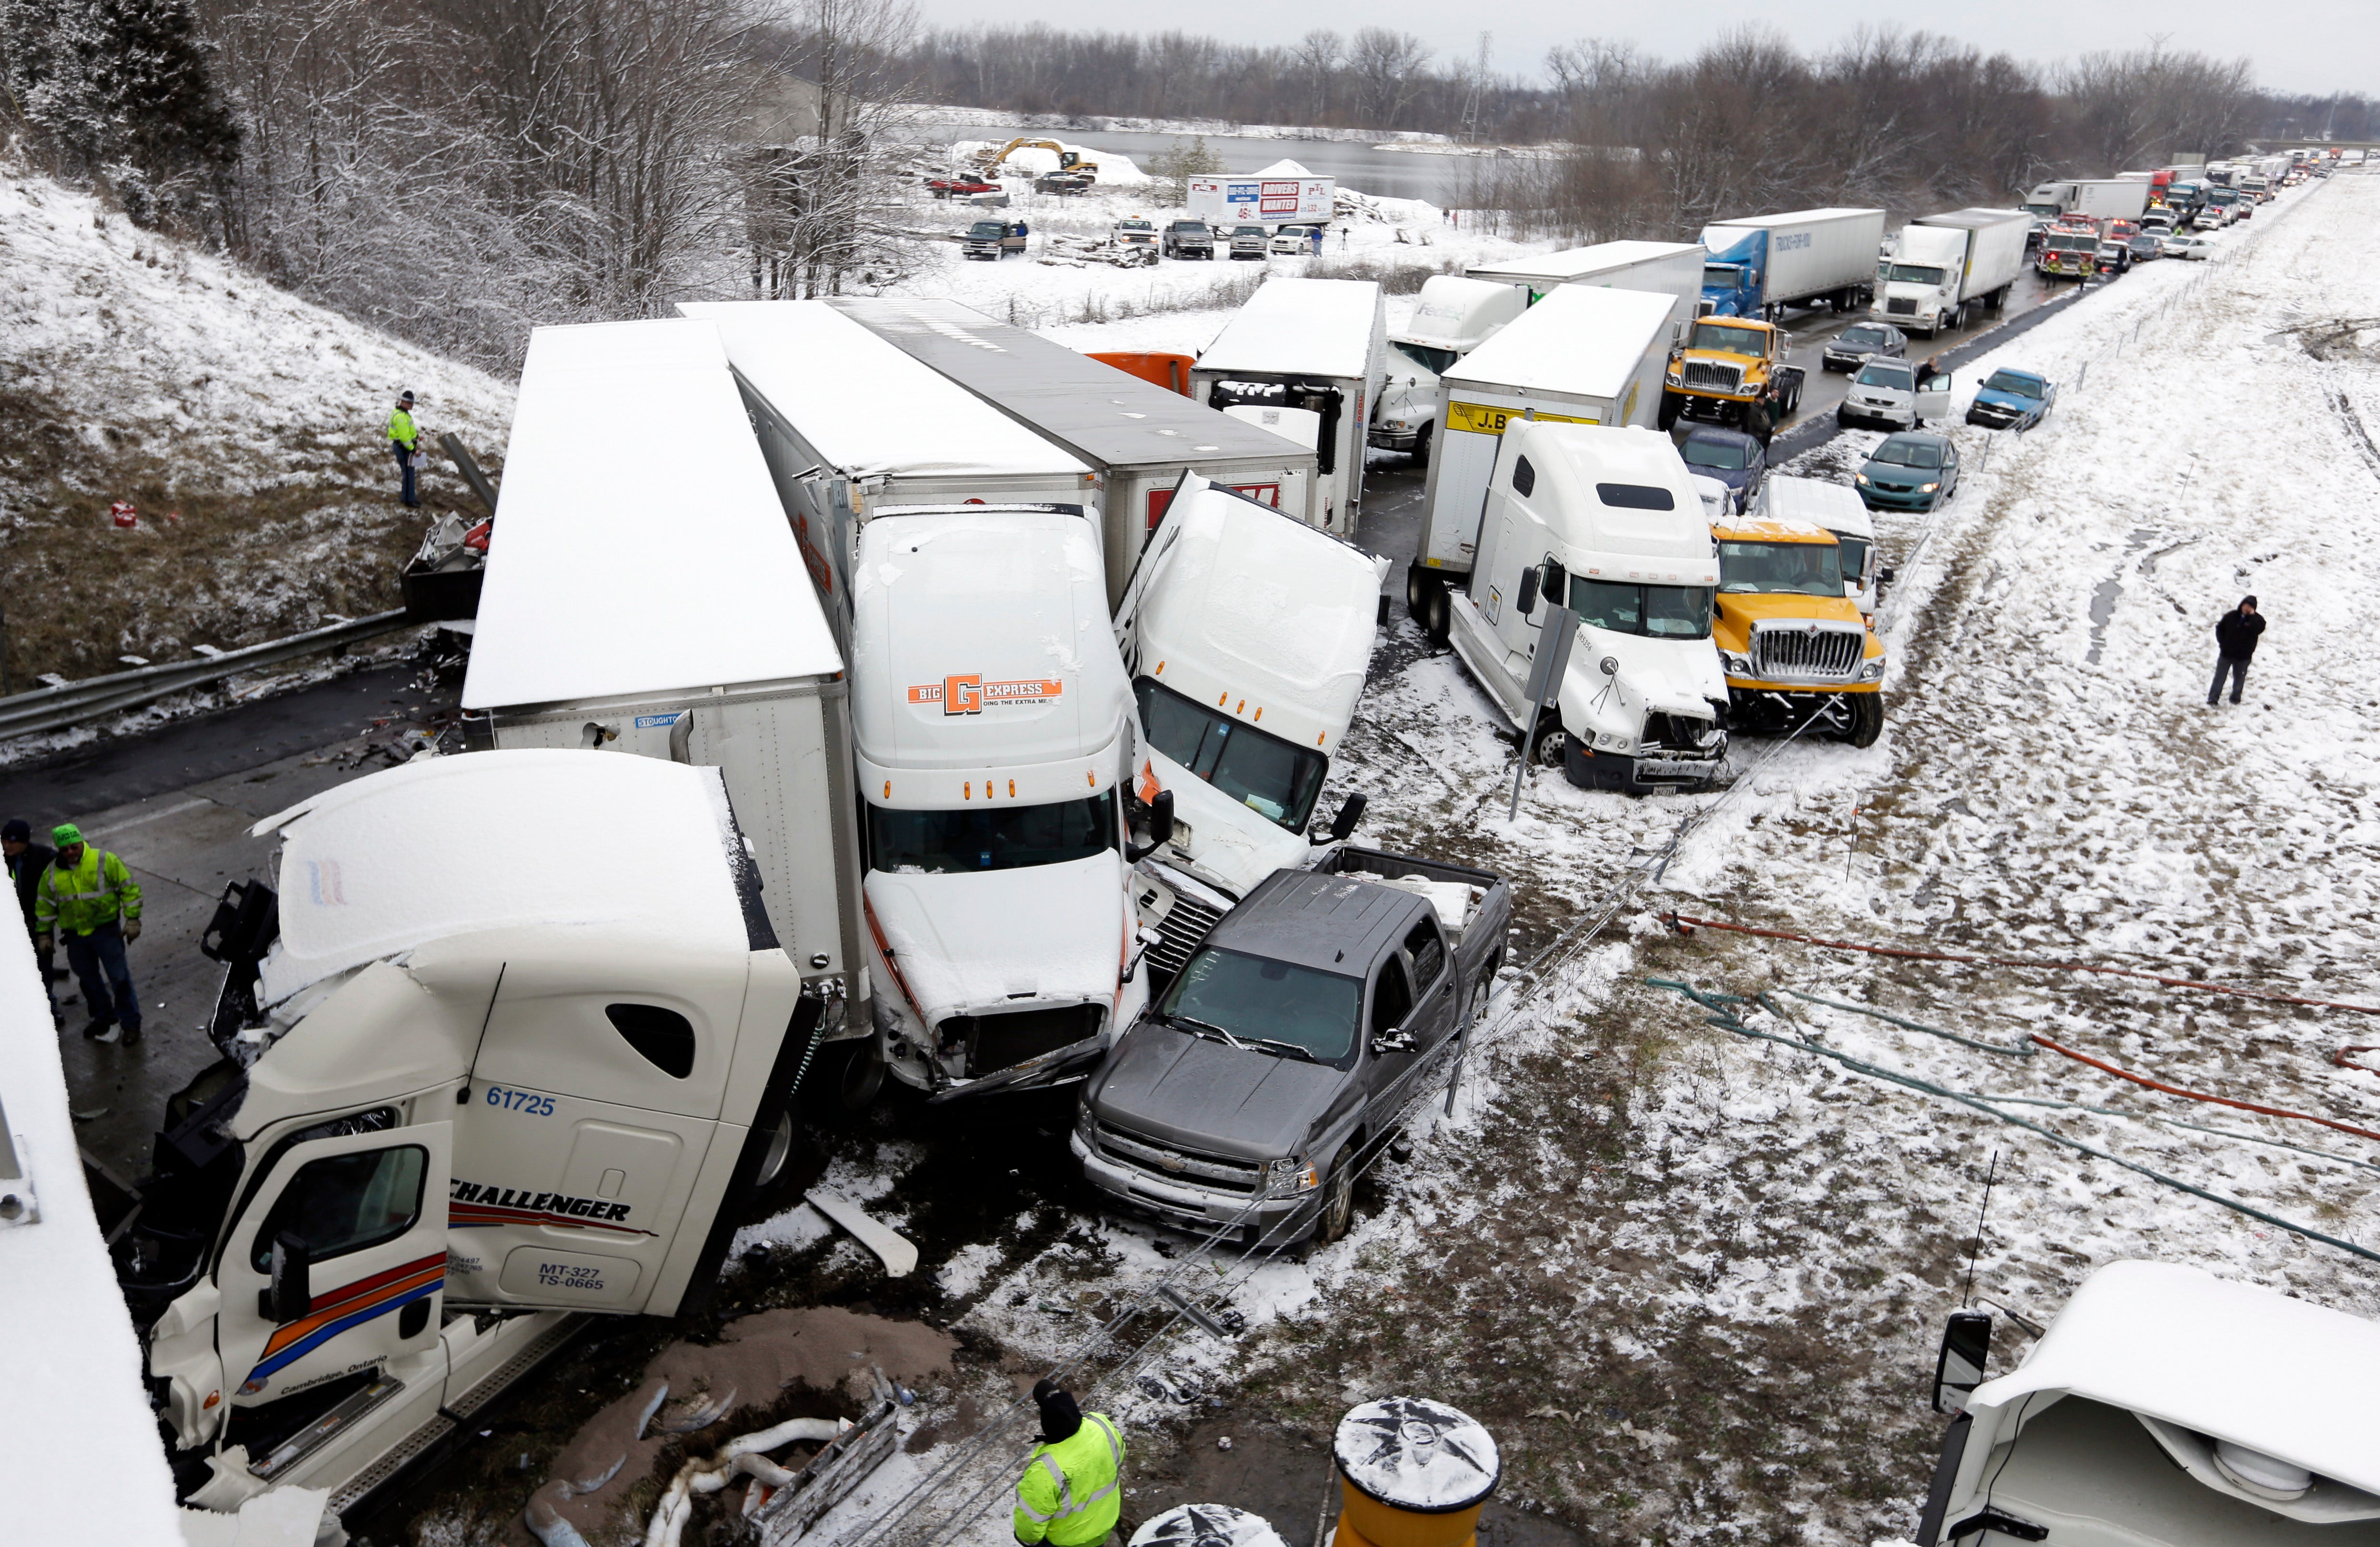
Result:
248,427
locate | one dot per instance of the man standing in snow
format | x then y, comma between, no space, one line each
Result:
402,440
2235,644
1072,1492
27,862
91,897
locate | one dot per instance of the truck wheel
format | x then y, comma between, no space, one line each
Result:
1867,719
1552,743
1338,1209
1419,584
1437,618
779,1150
1672,405
1421,446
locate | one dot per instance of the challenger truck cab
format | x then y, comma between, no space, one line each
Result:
994,729
1793,644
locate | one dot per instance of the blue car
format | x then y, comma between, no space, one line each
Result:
1736,459
2013,400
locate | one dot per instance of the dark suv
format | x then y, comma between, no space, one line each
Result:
1187,238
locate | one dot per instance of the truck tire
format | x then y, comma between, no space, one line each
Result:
1421,446
1419,583
857,1073
1672,405
779,1150
1437,618
1553,744
1867,719
1337,1209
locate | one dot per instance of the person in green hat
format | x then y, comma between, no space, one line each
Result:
90,897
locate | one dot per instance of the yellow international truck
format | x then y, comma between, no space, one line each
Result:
1732,369
1793,646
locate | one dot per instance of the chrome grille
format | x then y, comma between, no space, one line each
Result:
1712,374
1799,651
1184,925
1165,1162
1902,305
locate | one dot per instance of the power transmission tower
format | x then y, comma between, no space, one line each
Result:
1471,102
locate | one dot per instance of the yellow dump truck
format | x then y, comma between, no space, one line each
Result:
1732,369
1794,648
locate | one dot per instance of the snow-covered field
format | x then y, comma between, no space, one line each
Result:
1692,1278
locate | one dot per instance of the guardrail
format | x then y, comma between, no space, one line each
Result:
74,703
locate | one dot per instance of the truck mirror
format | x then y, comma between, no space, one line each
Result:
1351,811
1527,603
1959,1368
1392,1040
289,1296
1161,829
1885,577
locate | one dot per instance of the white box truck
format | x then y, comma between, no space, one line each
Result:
2100,198
656,605
1306,359
1138,438
1247,637
1667,268
848,425
995,735
1949,266
1606,523
1451,317
1760,265
1583,355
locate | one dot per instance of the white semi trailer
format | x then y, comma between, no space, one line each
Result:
1306,359
1451,317
1668,268
1949,266
2100,198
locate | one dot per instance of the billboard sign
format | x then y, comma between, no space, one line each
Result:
1230,201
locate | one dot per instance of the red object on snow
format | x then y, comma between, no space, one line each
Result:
124,515
477,536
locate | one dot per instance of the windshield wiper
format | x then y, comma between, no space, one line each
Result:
1291,1049
1208,1026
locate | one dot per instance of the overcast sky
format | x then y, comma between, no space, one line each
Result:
2331,45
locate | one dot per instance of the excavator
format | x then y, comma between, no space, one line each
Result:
1068,161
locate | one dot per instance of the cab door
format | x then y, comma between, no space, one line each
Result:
1392,1043
1434,1015
358,1224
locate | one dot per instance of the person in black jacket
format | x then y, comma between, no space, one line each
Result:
2235,644
27,860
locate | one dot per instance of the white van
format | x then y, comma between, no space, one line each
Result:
1840,511
994,729
1605,522
1247,634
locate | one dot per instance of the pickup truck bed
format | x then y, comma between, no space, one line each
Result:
1476,907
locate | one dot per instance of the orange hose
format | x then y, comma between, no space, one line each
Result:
2200,1095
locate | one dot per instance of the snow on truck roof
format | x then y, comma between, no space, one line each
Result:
1576,463
1582,339
868,408
558,838
1799,217
1580,261
1318,327
654,565
2231,1360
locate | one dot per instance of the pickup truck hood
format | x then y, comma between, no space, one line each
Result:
1202,1095
1050,934
1231,844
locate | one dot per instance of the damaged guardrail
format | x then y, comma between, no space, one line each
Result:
75,704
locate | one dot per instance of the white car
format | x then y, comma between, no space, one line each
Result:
1888,392
2189,244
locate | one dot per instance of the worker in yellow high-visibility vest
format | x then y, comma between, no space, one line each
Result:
1072,1492
90,897
403,441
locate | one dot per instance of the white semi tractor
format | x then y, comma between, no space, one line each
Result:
1247,637
2163,1407
1306,359
1949,266
466,1095
1453,317
1583,355
1606,523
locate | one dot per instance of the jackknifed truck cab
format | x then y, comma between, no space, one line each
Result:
2163,1407
1451,317
456,1107
1732,371
1793,644
1247,636
995,735
1607,523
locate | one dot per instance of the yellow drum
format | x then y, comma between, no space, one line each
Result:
1412,1473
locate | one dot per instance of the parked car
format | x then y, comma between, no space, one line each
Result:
1187,238
2189,244
1294,1040
2013,400
1292,241
2114,258
2146,246
961,185
1250,241
1890,392
1134,233
1912,470
1862,342
1735,459
994,239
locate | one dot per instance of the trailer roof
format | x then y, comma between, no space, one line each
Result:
1971,217
1579,262
1801,217
1103,415
635,566
2232,1360
869,408
1318,327
1582,339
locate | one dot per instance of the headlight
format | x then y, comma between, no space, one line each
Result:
1289,1176
1086,1125
1873,670
1862,477
1927,488
1673,373
1732,661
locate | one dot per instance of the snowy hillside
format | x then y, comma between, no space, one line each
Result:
136,368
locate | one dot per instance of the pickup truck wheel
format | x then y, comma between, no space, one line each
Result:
1867,719
1437,618
1338,1197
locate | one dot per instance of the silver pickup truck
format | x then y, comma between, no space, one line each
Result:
1293,1041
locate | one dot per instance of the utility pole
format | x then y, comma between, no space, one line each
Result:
1470,104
